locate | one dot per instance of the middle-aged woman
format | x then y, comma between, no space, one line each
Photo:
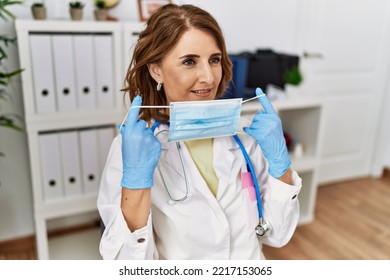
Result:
181,56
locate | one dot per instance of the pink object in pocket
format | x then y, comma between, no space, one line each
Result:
246,180
247,183
252,193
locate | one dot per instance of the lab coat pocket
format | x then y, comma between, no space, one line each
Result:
249,200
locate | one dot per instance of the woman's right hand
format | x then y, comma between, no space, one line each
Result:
141,150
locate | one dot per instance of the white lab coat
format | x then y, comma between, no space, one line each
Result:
203,226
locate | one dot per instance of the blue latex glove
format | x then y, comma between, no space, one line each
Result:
267,129
141,151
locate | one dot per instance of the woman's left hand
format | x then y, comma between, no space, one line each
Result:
267,129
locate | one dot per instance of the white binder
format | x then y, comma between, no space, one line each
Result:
51,166
85,71
105,137
104,59
64,72
42,73
70,155
89,160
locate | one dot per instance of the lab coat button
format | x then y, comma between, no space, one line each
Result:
294,196
141,240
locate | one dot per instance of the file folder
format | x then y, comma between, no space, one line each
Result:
105,137
51,166
104,63
85,72
64,72
42,73
70,156
89,160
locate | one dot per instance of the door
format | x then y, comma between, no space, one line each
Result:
345,46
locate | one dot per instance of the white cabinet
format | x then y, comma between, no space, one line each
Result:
302,120
72,104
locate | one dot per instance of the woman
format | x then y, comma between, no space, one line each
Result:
181,56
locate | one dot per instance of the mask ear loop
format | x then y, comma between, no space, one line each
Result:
250,99
242,102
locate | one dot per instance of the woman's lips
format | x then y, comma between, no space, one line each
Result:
202,93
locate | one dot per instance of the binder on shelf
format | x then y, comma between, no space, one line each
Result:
64,72
104,59
51,166
85,71
70,157
89,160
42,72
105,137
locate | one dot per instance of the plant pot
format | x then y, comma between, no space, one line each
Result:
100,14
292,90
76,14
38,12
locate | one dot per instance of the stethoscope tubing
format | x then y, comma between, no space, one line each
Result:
252,172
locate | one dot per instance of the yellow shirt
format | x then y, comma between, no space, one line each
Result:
201,151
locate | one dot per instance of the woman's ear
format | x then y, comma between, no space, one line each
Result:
155,72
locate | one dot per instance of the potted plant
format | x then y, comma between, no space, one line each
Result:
76,10
38,10
7,120
100,10
293,78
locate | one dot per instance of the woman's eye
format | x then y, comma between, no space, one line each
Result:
189,62
215,60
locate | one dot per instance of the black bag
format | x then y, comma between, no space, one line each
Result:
267,67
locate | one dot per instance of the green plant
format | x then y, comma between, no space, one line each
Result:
293,76
7,120
100,4
76,4
5,13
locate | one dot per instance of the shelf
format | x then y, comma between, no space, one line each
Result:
66,26
67,207
83,245
58,121
69,135
305,163
307,195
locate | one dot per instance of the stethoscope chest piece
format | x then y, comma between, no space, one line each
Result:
264,228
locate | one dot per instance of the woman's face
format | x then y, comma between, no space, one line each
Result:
192,70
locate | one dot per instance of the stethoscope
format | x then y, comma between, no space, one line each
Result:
264,228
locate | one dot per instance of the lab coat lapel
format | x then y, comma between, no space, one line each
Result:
195,179
224,158
172,157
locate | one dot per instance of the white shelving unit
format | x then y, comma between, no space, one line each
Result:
302,118
77,119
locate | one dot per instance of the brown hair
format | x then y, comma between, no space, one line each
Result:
163,30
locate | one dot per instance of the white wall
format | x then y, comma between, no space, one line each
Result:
246,25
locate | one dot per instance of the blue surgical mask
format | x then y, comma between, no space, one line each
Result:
191,120
203,119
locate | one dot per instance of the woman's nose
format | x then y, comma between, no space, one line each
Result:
206,74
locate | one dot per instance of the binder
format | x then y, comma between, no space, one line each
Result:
105,137
51,166
64,72
85,71
89,160
104,59
69,148
42,73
